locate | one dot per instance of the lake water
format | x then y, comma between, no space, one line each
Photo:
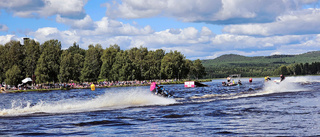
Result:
291,108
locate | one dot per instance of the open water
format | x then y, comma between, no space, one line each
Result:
291,108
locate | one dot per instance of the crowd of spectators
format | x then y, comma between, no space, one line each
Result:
73,85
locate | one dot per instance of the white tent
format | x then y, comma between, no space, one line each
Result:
26,80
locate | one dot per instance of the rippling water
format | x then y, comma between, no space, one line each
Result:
291,108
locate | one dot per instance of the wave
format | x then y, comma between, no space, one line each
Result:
291,84
303,79
107,101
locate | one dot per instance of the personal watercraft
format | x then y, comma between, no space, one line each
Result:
231,80
230,84
163,93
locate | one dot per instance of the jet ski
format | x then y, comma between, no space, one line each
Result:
230,84
163,93
231,80
277,81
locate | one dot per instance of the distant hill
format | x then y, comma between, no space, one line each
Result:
253,66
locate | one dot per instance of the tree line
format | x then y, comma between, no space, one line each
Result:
250,70
262,70
262,66
47,62
299,69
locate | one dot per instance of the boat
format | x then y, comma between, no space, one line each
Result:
231,80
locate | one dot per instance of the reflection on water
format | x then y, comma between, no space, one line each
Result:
289,108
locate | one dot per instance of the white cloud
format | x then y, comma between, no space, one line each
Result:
66,37
23,8
189,41
66,8
6,38
105,32
135,9
229,41
268,27
45,8
307,45
210,11
185,37
300,22
85,23
105,41
262,46
109,27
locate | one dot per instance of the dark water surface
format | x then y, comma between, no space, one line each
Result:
291,108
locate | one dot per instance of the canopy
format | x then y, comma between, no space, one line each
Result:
26,80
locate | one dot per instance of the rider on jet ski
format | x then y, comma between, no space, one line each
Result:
153,87
282,77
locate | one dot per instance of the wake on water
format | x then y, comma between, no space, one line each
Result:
107,101
140,97
290,84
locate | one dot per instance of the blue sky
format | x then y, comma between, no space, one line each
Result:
199,29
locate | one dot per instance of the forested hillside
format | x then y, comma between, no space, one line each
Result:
255,66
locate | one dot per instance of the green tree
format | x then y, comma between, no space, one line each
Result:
167,67
179,61
14,55
66,67
137,56
78,60
284,70
188,70
158,56
122,67
77,55
49,62
32,54
108,58
297,69
198,69
306,69
75,49
92,63
153,62
172,65
13,76
2,63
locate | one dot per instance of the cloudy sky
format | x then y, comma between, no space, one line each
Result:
199,29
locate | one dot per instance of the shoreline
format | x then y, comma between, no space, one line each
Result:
53,89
